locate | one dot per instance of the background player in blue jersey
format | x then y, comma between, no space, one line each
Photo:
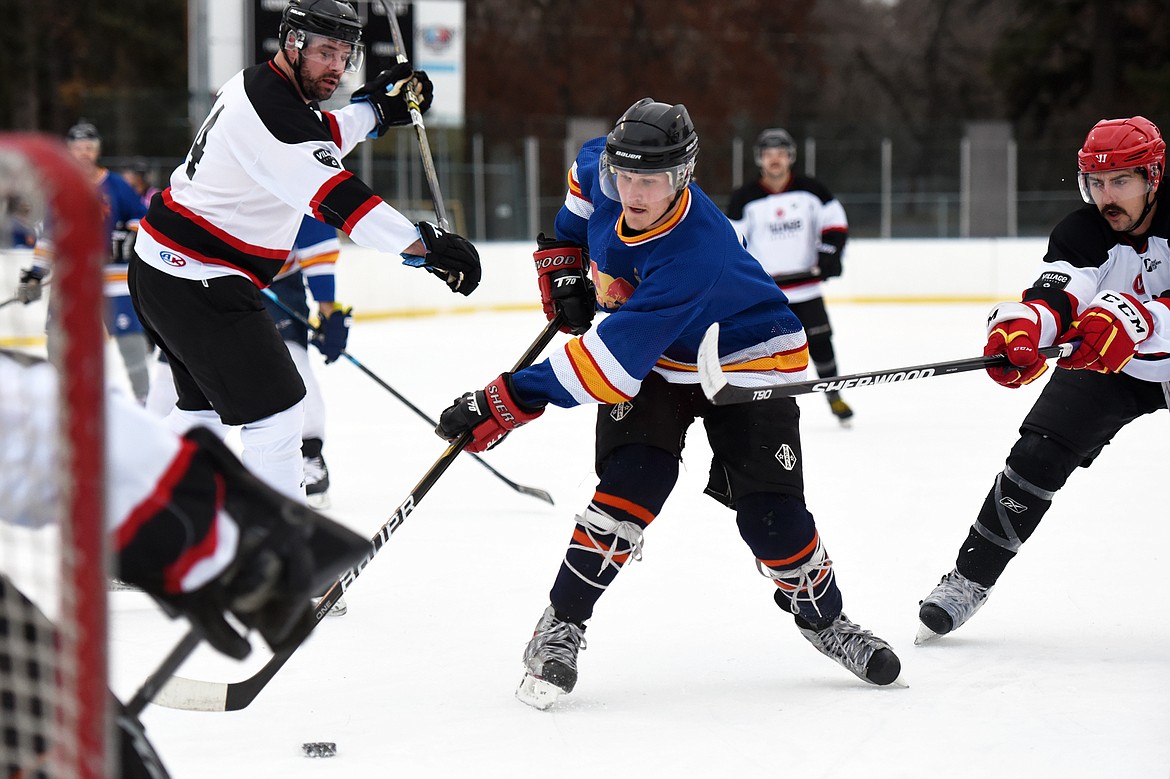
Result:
1105,281
122,209
666,264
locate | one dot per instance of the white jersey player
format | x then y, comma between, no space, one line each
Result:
797,230
1104,285
264,157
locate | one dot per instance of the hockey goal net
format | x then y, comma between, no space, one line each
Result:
53,685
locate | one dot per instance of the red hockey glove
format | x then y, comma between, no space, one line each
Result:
1110,330
562,269
1013,329
490,414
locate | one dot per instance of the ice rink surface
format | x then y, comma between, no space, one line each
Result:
690,669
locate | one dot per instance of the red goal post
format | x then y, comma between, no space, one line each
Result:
53,675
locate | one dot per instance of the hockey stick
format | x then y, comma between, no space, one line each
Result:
15,298
196,695
722,393
535,492
798,278
424,146
157,680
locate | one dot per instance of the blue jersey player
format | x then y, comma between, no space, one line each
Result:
665,264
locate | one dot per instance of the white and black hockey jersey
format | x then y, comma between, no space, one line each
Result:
789,231
262,159
1085,256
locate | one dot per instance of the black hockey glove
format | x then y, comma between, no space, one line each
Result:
386,94
122,244
562,270
286,553
29,289
829,260
489,414
333,334
449,256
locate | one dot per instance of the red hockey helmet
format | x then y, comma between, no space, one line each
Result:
1118,144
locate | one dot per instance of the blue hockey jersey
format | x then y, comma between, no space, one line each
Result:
662,289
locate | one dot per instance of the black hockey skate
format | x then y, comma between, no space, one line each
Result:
860,652
550,660
840,408
950,604
316,474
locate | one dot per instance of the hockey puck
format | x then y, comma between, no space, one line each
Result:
319,748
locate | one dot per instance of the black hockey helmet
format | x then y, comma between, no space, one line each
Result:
331,18
775,138
651,137
83,131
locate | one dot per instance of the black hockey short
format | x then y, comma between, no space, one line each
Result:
755,446
222,345
814,316
291,291
1083,410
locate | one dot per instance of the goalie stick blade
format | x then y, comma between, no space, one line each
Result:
722,393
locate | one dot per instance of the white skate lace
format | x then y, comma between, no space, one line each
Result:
958,596
627,542
314,470
847,643
555,639
800,584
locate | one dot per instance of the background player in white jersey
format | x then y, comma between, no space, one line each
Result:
220,541
122,210
1105,281
794,226
264,157
666,265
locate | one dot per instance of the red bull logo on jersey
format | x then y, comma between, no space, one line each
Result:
612,293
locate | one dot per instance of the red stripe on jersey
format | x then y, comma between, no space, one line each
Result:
334,128
241,246
181,249
174,573
359,212
322,193
153,503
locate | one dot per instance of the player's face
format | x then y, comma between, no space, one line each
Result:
1119,195
322,62
85,151
646,197
775,162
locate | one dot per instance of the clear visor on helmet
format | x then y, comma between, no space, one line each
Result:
323,50
1109,186
647,186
